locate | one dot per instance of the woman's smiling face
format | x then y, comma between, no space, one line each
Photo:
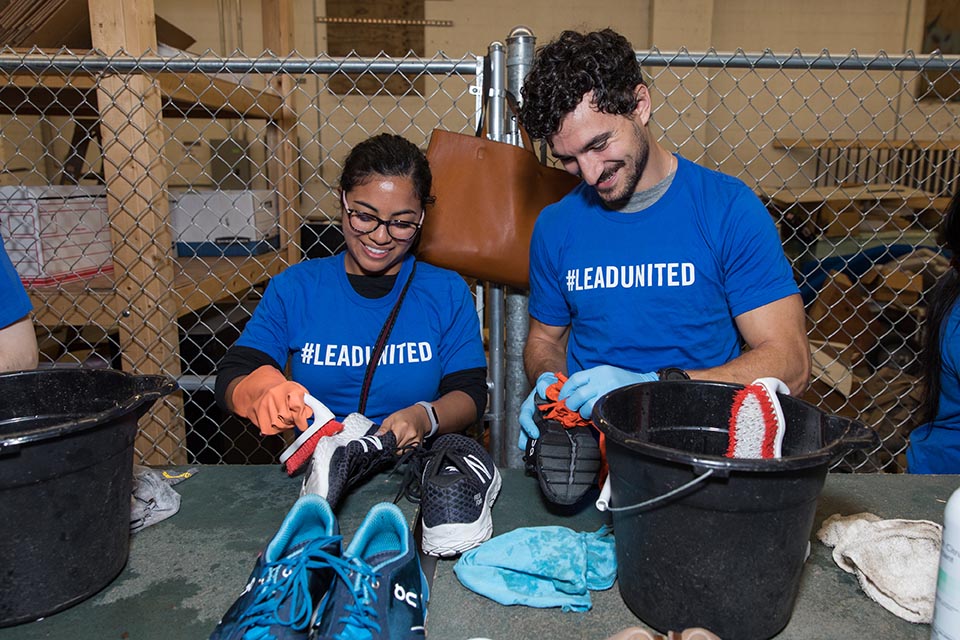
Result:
389,198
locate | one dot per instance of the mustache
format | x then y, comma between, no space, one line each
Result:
608,173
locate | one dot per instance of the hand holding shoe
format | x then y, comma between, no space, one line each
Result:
528,429
584,388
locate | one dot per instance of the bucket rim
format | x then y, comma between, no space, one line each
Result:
822,456
147,389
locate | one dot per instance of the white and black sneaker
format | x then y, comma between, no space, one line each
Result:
458,484
345,459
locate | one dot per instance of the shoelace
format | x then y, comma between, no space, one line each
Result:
553,408
363,582
290,585
362,465
415,461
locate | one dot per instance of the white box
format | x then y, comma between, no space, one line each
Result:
224,222
56,233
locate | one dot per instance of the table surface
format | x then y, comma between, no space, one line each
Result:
184,572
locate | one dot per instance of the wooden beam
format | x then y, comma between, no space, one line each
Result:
858,143
135,175
277,20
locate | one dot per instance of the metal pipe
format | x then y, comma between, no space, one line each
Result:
520,50
184,63
495,297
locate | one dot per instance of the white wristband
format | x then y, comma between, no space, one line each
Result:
432,414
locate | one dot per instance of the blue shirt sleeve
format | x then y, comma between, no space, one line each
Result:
462,343
547,302
756,271
16,302
268,328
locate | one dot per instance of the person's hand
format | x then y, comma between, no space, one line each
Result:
528,428
582,390
270,401
409,425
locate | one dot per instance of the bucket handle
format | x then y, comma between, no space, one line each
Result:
603,502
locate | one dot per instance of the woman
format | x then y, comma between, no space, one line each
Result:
935,445
325,316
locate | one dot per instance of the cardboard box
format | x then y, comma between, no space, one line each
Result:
56,233
834,386
224,222
835,223
886,284
842,313
188,163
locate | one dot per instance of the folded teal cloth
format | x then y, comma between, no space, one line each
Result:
541,567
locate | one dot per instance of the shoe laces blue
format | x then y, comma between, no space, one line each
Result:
361,614
283,595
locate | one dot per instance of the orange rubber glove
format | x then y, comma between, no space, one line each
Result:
270,401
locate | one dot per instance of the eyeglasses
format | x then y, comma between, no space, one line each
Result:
365,223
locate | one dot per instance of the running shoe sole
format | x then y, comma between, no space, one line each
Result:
567,462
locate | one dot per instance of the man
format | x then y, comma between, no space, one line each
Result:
18,340
653,263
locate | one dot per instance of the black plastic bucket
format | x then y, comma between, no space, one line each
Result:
726,552
66,470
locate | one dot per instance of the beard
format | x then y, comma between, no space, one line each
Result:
634,171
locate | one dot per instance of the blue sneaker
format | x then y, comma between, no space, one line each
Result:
290,578
380,592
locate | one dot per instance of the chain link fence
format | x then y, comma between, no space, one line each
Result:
147,201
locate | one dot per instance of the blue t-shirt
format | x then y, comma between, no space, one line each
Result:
660,287
16,303
312,314
935,447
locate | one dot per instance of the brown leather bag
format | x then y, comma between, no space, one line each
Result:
488,196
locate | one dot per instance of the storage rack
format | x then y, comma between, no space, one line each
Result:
150,288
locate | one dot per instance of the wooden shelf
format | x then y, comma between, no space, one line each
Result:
191,95
197,283
138,300
858,143
861,196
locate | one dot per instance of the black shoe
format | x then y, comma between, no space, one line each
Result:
456,486
566,461
347,458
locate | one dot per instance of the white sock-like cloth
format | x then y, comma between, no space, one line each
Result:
896,561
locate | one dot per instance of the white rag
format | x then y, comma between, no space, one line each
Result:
896,561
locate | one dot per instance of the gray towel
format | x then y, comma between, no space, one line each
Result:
153,498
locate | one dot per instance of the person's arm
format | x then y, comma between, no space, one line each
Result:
456,411
777,336
236,364
546,350
18,346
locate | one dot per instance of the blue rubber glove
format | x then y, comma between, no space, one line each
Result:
528,429
582,390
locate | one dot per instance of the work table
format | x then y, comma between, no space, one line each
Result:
184,572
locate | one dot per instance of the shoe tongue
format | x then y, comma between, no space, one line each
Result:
448,470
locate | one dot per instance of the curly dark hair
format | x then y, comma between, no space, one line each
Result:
565,69
390,155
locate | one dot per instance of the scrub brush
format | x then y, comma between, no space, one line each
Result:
294,458
756,420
